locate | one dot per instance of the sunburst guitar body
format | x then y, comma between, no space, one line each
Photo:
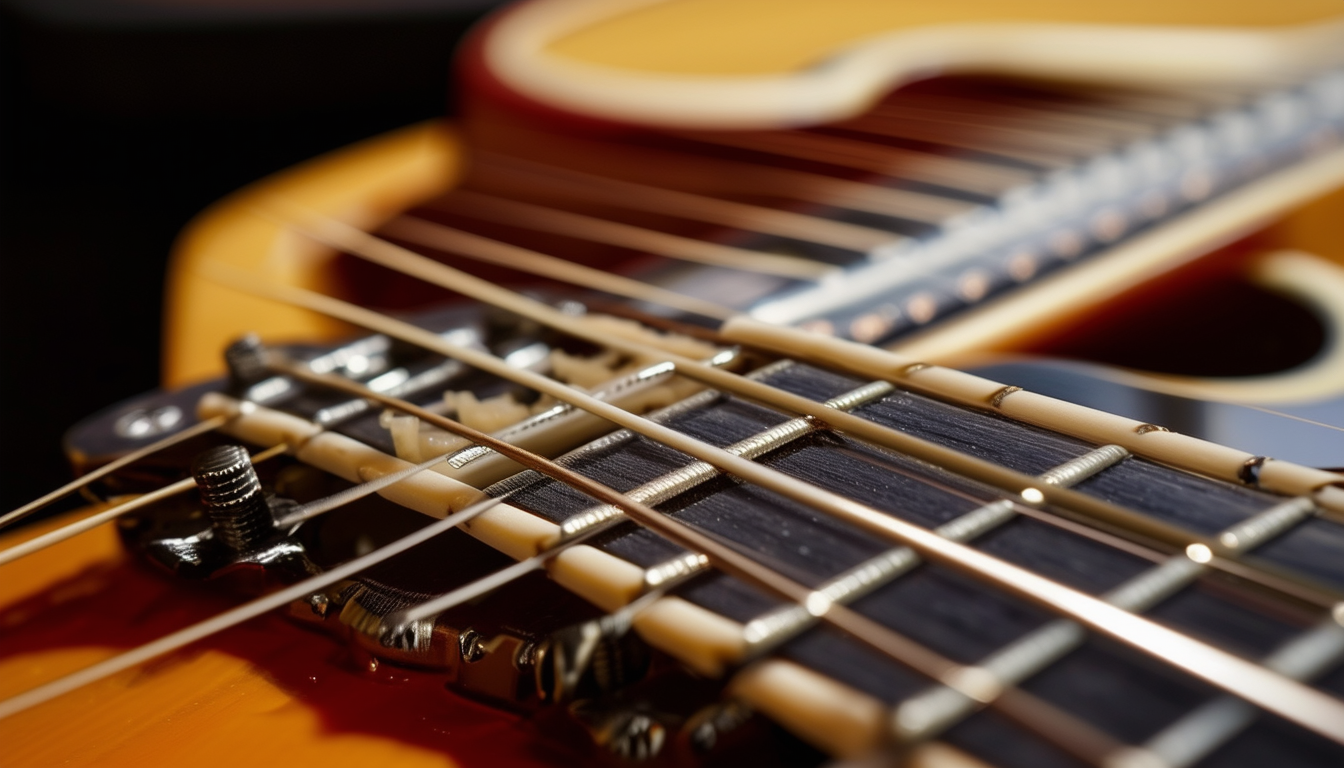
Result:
881,192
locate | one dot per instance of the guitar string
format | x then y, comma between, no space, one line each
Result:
457,599
371,248
930,712
468,245
233,617
1051,127
1292,700
486,250
527,216
700,173
1050,151
110,467
1071,734
485,207
714,336
1203,730
589,228
1077,737
977,177
301,373
1119,377
77,527
7,521
579,186
997,130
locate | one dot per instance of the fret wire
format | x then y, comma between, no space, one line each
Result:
1290,699
974,176
1059,727
592,229
876,363
1122,520
927,714
770,629
683,479
70,530
233,617
1060,518
1213,724
112,466
576,185
477,248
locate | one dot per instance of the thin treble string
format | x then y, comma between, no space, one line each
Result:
77,527
305,512
1058,726
1045,516
1290,699
204,629
697,172
556,221
1146,529
489,251
194,430
641,197
474,246
984,178
1126,379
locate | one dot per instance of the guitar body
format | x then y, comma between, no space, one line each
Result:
273,693
270,692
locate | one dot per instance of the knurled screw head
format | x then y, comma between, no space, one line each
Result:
246,359
232,496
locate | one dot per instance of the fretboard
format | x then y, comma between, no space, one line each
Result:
943,196
774,655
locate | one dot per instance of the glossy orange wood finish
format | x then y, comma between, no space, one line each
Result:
267,693
362,185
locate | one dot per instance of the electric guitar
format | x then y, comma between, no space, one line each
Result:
711,488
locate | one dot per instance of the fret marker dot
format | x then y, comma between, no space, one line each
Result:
1032,495
1200,553
818,604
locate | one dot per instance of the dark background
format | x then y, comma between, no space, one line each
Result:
119,121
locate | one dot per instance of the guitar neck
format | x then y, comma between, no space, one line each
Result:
706,487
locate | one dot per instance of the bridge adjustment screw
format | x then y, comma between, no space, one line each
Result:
246,360
232,497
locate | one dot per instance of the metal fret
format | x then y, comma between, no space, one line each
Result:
769,630
1205,729
1069,212
925,715
679,481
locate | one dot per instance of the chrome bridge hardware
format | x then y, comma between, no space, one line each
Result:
231,533
528,644
675,719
